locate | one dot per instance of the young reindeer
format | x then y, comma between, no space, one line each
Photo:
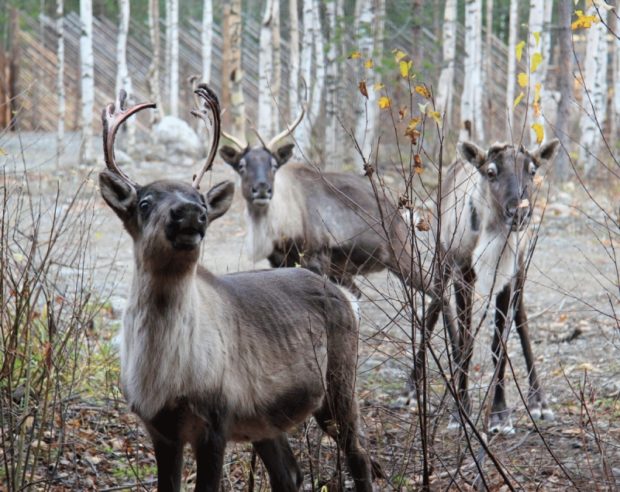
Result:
485,211
209,359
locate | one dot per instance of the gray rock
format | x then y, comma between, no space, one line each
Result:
182,144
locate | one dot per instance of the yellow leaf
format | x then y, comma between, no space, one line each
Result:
414,123
405,67
384,102
539,131
423,91
436,116
518,99
522,79
399,55
519,50
537,89
583,21
355,55
535,62
3,152
378,86
536,37
368,63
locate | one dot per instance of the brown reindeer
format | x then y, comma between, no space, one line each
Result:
485,211
208,359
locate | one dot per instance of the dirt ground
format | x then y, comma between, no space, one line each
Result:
571,294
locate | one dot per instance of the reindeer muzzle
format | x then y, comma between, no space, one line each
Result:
186,225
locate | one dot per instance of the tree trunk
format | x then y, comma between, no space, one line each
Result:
417,53
445,86
565,86
60,79
536,77
592,119
87,76
488,58
206,37
471,99
123,80
294,73
370,42
307,53
265,73
512,66
615,76
235,74
153,74
167,46
333,146
174,57
318,88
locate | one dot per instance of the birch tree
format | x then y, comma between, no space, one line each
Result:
313,73
370,31
265,72
123,80
206,37
565,86
595,91
513,28
538,64
445,86
294,58
60,79
233,74
333,146
615,77
87,76
276,83
153,74
174,57
471,99
488,54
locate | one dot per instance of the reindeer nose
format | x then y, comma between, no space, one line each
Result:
512,208
188,215
261,190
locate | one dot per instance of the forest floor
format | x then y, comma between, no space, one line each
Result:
570,296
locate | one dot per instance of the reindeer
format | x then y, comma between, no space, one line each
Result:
208,359
485,211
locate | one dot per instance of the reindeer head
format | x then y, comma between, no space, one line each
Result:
166,219
257,165
508,173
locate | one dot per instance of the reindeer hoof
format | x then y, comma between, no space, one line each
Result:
408,401
539,412
501,423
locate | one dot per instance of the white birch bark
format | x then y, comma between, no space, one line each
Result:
592,119
615,76
536,23
265,73
153,74
513,27
236,94
206,37
87,75
332,134
167,45
60,79
370,40
123,80
471,99
304,131
174,57
318,87
276,83
294,57
445,86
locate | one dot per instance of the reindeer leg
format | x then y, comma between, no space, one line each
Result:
277,455
209,449
169,457
536,401
501,420
463,293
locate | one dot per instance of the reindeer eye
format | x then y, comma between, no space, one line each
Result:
144,204
492,170
241,167
532,168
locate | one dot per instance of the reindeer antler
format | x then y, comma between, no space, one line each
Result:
290,128
210,104
112,117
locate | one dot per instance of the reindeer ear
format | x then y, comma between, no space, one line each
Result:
546,152
472,153
230,155
219,199
118,194
284,153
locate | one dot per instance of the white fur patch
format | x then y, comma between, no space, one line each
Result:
283,219
496,261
